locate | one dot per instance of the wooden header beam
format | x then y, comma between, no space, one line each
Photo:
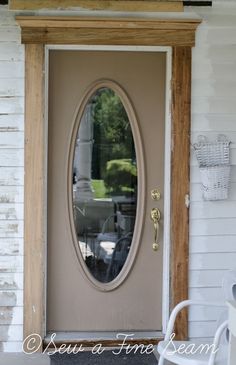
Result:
114,5
104,31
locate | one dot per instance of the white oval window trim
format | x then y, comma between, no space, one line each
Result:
122,276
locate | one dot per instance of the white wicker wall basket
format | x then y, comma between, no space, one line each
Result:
214,163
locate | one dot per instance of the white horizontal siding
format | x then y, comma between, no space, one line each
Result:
9,316
213,261
11,176
11,52
11,182
11,69
11,281
208,244
200,313
11,105
12,264
212,224
13,157
213,227
10,211
11,229
11,298
10,140
212,122
202,210
11,87
12,194
11,122
206,278
11,333
200,329
12,346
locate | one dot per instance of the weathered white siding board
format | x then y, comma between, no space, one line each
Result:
11,69
12,157
213,261
206,278
207,244
11,281
11,122
11,87
12,264
11,105
11,194
218,89
216,105
11,228
11,333
9,316
219,54
212,224
11,51
213,122
11,298
206,293
198,313
208,209
13,346
201,329
11,176
13,140
11,182
11,211
213,227
10,34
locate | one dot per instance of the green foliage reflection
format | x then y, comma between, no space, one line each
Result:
114,159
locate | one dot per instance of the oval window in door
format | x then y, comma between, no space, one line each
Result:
105,183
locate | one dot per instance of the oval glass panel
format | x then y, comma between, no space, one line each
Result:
104,185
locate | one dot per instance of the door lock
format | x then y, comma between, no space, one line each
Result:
155,194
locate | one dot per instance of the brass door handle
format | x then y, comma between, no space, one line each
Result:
155,217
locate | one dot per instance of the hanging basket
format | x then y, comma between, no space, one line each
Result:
214,163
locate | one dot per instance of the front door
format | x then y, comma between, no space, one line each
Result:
105,156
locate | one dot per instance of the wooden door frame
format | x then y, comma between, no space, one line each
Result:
40,31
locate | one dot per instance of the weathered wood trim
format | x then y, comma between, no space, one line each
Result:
34,208
112,5
123,31
180,178
35,184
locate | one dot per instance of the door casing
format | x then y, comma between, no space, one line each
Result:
181,38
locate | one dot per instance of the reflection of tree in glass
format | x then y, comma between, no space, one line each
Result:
112,133
121,176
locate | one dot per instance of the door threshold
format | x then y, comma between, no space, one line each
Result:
105,339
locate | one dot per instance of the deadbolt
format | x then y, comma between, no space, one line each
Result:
155,194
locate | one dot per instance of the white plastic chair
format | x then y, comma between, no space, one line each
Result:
179,352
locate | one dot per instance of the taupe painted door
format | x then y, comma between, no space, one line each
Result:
74,303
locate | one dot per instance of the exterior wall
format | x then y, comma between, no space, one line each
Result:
11,182
212,224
